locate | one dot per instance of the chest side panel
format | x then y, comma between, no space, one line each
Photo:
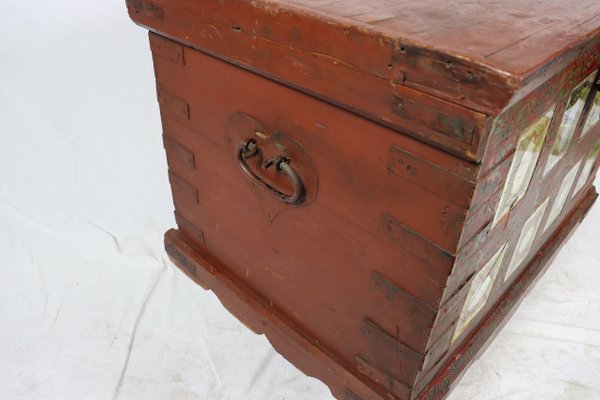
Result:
552,160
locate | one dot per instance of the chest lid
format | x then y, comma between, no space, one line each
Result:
433,69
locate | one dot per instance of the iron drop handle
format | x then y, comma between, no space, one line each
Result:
249,149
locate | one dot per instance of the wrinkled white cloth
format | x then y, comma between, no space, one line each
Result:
90,306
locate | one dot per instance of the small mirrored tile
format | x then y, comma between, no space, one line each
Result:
526,239
588,166
479,291
569,122
593,116
561,195
523,165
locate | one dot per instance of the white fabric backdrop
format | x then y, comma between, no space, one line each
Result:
91,308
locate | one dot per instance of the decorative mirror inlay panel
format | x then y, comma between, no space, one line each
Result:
593,116
569,122
561,195
526,239
588,166
479,291
523,165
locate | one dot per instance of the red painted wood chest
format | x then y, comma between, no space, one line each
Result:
374,184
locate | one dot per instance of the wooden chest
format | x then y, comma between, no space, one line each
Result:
374,185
